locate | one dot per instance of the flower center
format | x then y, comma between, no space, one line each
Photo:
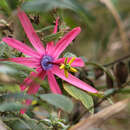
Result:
46,62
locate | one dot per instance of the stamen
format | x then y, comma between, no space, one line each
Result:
67,66
62,66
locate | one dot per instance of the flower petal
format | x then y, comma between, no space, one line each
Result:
34,86
27,103
65,41
50,45
73,80
50,48
78,62
20,46
53,84
31,34
56,26
27,61
22,111
28,80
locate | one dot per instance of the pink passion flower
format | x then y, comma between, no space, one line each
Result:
45,60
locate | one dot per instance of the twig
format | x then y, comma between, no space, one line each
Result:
95,121
59,113
117,18
101,67
116,61
113,92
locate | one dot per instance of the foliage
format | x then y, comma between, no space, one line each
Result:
103,44
84,97
58,101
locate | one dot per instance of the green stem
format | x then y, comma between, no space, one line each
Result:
102,68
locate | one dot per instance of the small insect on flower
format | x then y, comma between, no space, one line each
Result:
67,66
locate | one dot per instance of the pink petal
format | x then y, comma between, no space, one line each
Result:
50,48
53,84
50,45
73,80
31,34
65,41
27,61
56,26
27,102
34,86
22,111
78,62
20,47
28,80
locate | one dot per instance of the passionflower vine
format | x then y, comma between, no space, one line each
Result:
45,60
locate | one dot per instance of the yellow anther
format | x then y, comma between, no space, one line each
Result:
67,66
34,102
62,66
66,73
70,62
73,69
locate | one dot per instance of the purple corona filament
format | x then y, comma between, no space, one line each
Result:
46,62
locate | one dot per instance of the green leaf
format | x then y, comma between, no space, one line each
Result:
82,96
7,70
17,96
11,106
12,3
9,88
44,5
58,101
17,66
14,70
47,5
4,6
23,122
35,125
5,50
17,124
3,126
